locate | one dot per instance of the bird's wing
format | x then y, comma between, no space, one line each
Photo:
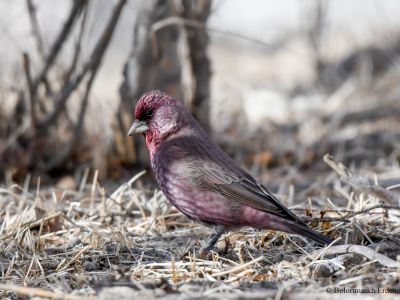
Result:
209,168
241,188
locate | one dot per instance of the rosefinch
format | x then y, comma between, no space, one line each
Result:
200,180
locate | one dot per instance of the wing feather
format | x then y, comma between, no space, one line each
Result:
209,168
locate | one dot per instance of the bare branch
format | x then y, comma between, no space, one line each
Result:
92,66
356,249
28,76
350,214
35,28
78,43
62,37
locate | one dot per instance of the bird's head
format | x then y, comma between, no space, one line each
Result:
157,115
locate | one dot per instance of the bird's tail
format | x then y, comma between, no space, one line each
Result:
311,234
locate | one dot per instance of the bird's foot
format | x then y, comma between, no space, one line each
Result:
227,244
204,252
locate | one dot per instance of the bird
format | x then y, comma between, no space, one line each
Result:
201,180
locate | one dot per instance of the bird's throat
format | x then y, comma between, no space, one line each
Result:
152,142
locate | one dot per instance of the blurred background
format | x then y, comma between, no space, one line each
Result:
277,84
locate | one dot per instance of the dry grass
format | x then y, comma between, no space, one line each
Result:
86,243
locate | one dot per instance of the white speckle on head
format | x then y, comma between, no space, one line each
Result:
166,119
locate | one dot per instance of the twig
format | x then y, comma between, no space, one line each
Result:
33,224
328,267
187,79
13,137
77,50
200,25
176,21
92,66
80,252
361,184
350,214
93,190
28,76
38,222
316,30
35,28
126,185
62,37
357,249
238,268
31,292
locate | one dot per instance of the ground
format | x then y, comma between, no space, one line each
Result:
89,243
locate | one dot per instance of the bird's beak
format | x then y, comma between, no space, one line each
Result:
138,127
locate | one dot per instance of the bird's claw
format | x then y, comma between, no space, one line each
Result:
204,253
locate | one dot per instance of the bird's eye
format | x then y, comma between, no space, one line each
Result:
149,112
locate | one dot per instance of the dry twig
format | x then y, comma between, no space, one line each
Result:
360,250
362,184
91,66
37,292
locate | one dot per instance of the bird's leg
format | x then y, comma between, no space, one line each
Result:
218,231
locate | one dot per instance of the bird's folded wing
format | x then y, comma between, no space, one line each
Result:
210,168
242,189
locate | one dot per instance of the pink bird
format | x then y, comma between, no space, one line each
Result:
203,182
